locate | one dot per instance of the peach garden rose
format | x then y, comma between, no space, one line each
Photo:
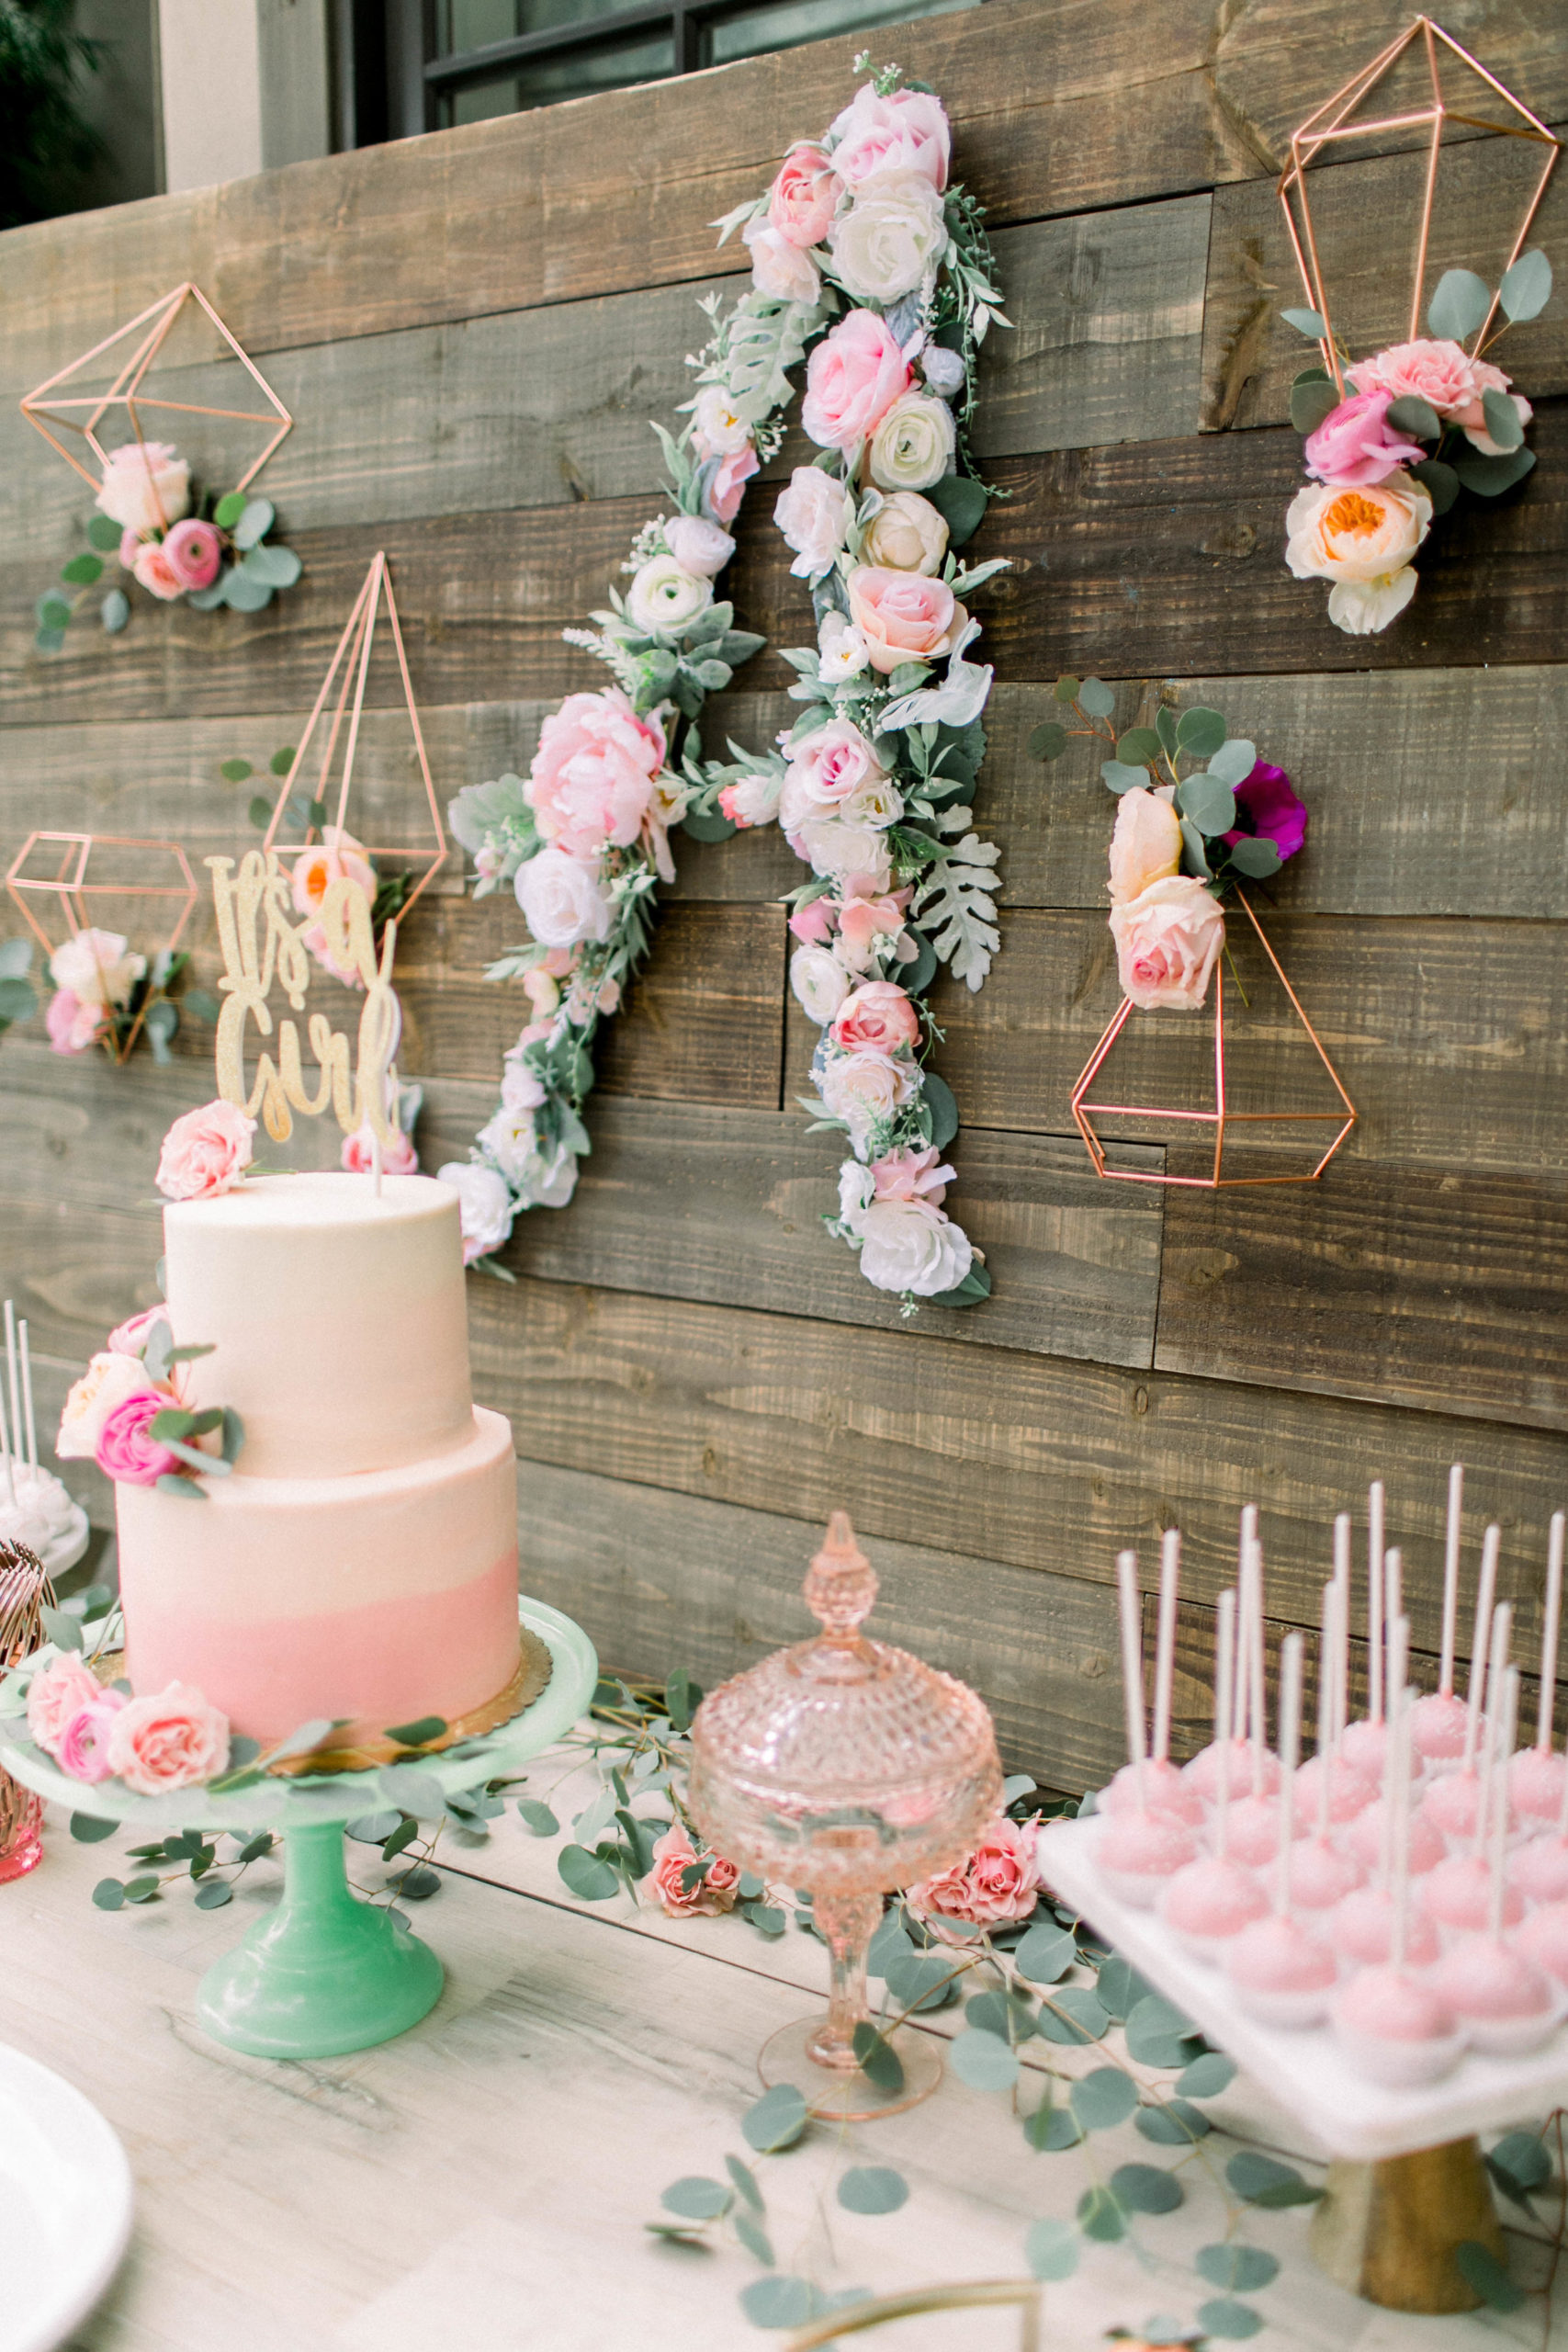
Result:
1145,845
108,1382
1361,539
673,1855
1167,941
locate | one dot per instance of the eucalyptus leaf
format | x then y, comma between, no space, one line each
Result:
1119,777
109,1894
919,1979
1158,2032
776,2120
104,533
982,2061
1200,731
63,1631
1235,760
228,509
1257,857
1239,2269
413,1791
1263,2180
539,1817
88,1830
272,567
1503,424
213,1894
697,2198
1413,415
1489,477
1520,2160
1120,1986
1307,323
1165,728
1053,2129
1207,2076
943,1104
872,2188
1458,304
778,2302
1008,2016
254,520
1099,2216
283,759
16,958
1146,2189
1048,741
115,611
1096,698
207,600
1313,401
1051,2250
961,504
1440,481
83,570
1207,803
1072,2015
1104,2098
752,2236
1228,2319
1196,853
1524,293
244,593
1045,1955
745,2180
1481,2269
878,2058
420,1734
591,1880
53,611
1177,2124
1066,689
1138,746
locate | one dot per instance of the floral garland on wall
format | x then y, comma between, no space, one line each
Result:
865,257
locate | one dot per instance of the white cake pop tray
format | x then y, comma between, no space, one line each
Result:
1307,2070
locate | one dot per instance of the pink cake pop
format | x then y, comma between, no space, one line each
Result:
1365,1743
1165,1791
1349,1791
1363,1930
1539,1869
1280,1971
1457,1895
1139,1851
1214,1897
1544,1939
1439,1718
1537,1777
1450,1803
1368,1834
1203,1771
1322,1874
1505,2002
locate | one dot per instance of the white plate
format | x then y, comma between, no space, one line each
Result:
65,2200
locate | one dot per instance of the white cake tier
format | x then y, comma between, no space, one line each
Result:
338,1319
379,1599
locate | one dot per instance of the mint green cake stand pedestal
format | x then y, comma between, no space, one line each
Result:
325,1972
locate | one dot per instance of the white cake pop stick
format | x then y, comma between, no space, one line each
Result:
1131,1606
1501,1631
1165,1653
1475,1695
1506,1714
1224,1692
12,1377
27,1398
5,1449
1245,1603
1326,1705
1375,1634
1546,1705
1398,1653
1450,1575
1290,1756
1256,1709
1400,1748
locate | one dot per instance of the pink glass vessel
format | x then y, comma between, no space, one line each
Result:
25,1592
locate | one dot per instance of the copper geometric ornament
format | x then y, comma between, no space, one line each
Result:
72,872
349,667
1332,125
1223,1117
43,407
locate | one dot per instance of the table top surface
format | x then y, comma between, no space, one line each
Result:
482,2183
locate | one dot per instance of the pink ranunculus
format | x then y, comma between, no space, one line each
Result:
674,1853
853,378
58,1692
204,1152
127,1450
156,573
876,1018
73,1026
1001,1880
130,1337
1277,812
169,1741
909,1175
903,617
831,764
592,777
804,194
83,1750
1167,941
358,1156
905,131
725,491
1439,372
194,551
1145,843
1356,444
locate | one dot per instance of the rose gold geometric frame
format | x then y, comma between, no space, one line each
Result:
1221,1118
350,666
1331,123
126,392
69,890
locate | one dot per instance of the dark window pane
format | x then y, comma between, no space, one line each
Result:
783,24
466,24
609,65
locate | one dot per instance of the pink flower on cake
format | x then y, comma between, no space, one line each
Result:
590,780
336,857
674,1854
878,1018
156,573
58,1692
1001,1880
204,1152
853,378
83,1750
127,1450
804,194
1167,941
1356,444
725,491
903,617
398,1159
170,1741
1145,845
194,551
109,1380
73,1026
146,486
130,1337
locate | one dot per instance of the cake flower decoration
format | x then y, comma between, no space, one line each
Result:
129,1414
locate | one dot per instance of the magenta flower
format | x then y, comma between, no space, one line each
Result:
1272,809
1356,444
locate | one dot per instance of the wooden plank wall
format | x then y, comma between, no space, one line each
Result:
473,330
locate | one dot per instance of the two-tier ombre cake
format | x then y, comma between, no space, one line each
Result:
361,1562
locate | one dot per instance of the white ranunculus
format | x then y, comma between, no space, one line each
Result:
665,598
718,424
913,446
1360,607
942,369
698,546
891,237
561,900
865,1089
485,1207
841,649
785,272
906,534
97,966
877,803
835,849
814,514
820,981
857,1189
146,486
913,1246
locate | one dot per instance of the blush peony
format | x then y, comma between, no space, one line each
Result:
1433,369
804,194
853,378
1145,845
673,1855
878,1017
170,1741
204,1152
146,486
592,777
1167,941
903,617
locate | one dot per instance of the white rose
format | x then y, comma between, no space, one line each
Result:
907,534
942,369
913,445
835,849
146,487
820,981
484,1205
561,900
1360,607
892,236
814,514
877,803
699,547
857,1189
863,1089
508,1137
785,273
665,597
841,649
97,967
718,421
913,1246
108,1381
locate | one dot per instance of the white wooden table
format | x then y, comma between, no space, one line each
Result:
481,2183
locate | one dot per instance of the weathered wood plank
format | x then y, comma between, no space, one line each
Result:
1250,356
660,1579
1394,1282
1056,1464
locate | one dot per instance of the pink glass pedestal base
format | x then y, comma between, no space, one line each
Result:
21,1830
848,2096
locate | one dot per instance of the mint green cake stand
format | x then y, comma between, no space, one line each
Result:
325,1972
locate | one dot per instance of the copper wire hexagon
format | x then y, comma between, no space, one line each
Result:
1330,122
70,890
125,390
1222,1117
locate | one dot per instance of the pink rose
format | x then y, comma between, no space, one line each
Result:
125,1451
780,269
876,1018
674,1853
813,923
804,194
909,1175
194,551
398,1159
1355,442
853,378
130,1337
168,1742
828,766
204,1152
902,615
1145,844
110,1378
59,1691
724,493
906,132
592,777
129,542
1441,373
84,1749
73,1026
156,573
1167,940
1001,1880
